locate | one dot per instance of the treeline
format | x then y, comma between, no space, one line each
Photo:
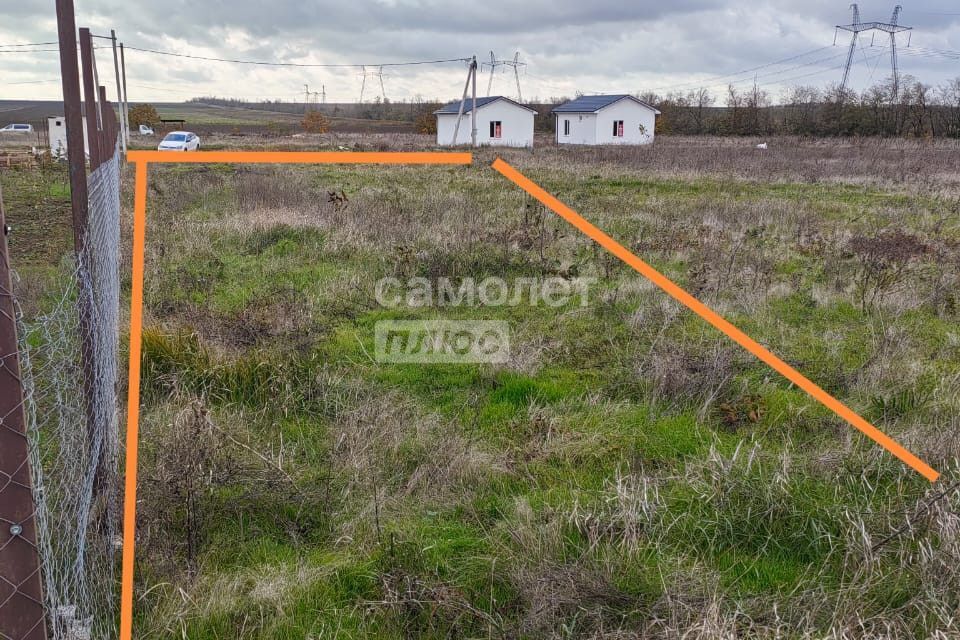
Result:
915,109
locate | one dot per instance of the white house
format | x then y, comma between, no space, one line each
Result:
57,136
617,119
500,122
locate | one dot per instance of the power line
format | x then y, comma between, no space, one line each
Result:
33,81
702,83
295,64
933,13
941,53
779,72
743,71
21,52
819,71
30,44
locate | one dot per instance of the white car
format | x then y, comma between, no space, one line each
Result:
17,128
145,130
179,141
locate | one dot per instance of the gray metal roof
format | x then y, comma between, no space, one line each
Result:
454,107
591,104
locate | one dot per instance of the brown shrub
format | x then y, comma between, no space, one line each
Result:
884,262
315,122
144,114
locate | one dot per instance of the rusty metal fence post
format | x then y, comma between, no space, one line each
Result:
21,592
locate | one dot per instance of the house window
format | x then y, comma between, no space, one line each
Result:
496,130
618,128
566,127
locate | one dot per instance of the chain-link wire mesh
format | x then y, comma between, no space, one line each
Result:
70,373
21,606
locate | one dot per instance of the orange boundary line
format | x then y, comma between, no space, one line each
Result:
303,157
715,319
141,160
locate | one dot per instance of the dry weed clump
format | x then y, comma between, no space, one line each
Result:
570,600
388,451
625,518
424,609
561,596
885,263
272,188
681,371
244,594
192,461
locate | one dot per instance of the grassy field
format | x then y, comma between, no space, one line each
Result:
629,473
207,119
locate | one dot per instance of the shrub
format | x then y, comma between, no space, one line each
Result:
426,123
315,122
144,114
884,262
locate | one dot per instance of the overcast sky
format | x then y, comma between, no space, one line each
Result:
601,46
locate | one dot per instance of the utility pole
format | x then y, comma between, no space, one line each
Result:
857,27
126,108
471,74
363,83
21,590
116,69
473,107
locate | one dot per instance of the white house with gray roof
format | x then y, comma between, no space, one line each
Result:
614,119
500,122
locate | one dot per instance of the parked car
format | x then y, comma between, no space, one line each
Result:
179,141
17,128
145,130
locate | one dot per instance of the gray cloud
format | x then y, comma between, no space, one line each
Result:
603,45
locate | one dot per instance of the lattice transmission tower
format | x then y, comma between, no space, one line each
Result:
372,73
857,27
515,63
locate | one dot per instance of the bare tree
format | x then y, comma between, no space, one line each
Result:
700,100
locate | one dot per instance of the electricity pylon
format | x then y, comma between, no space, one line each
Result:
857,27
493,64
515,63
313,97
364,72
